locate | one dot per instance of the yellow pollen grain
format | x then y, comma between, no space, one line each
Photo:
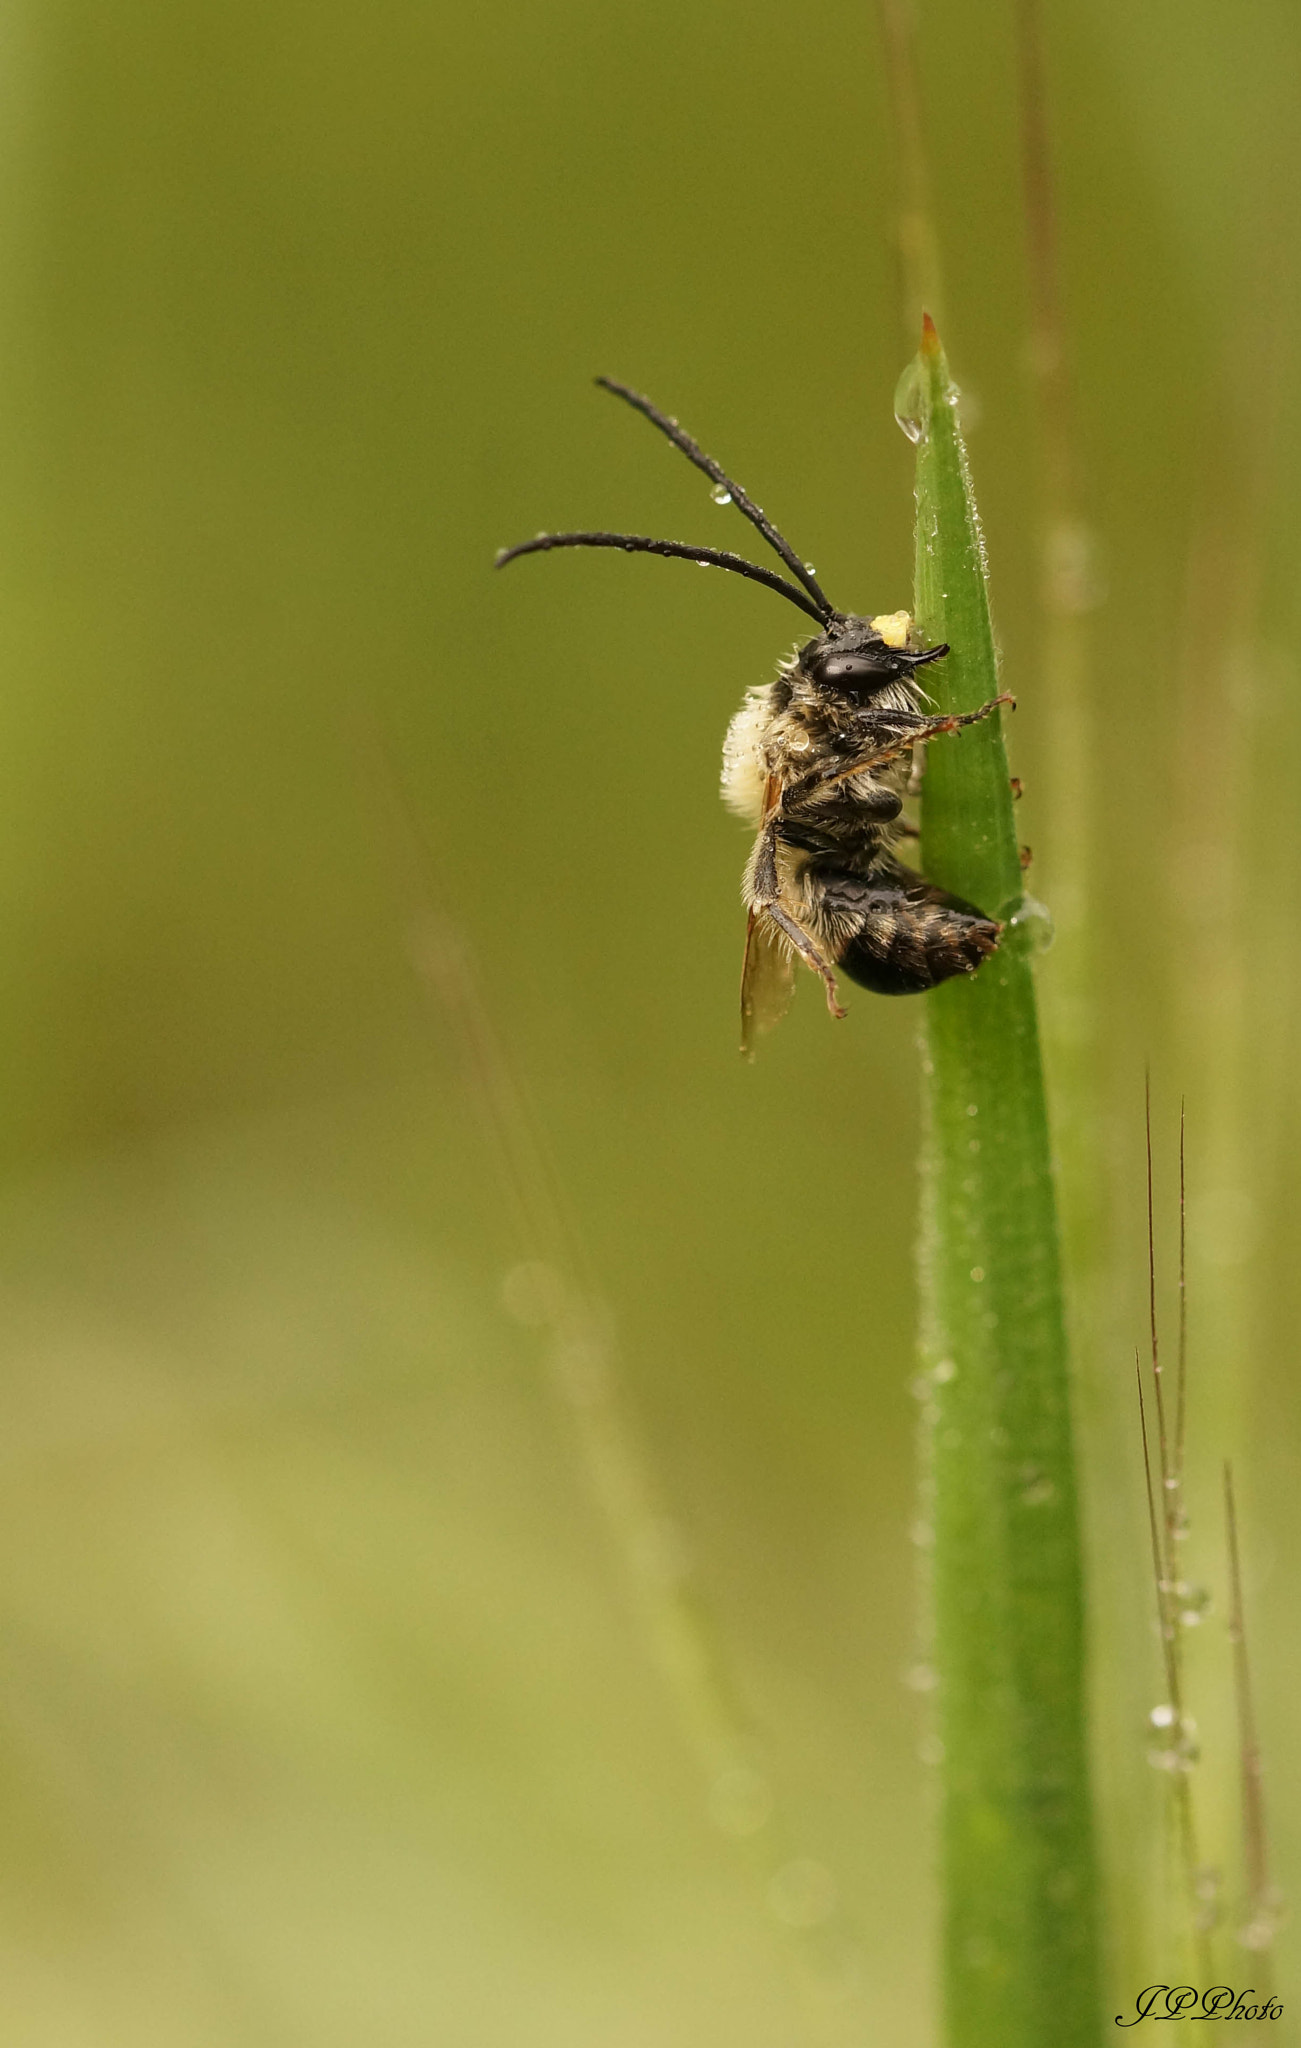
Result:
893,627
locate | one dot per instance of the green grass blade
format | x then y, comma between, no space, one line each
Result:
1020,1933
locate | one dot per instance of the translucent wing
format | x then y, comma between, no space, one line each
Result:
767,980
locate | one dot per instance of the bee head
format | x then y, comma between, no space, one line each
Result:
858,657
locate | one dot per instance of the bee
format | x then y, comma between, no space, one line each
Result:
818,762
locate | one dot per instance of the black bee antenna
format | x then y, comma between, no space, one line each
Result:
743,502
638,544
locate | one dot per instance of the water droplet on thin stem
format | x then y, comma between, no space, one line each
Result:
1174,1747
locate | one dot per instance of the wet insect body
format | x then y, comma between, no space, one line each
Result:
819,761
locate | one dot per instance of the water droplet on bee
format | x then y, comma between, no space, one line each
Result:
721,495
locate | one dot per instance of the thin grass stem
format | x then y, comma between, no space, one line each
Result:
1262,1905
1163,1478
1181,1405
1163,1437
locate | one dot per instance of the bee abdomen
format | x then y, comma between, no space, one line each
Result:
904,935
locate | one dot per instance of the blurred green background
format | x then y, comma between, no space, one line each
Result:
350,1690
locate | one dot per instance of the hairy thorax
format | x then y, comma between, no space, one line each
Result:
788,734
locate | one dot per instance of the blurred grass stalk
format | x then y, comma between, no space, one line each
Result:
1070,591
917,248
1020,1897
552,1290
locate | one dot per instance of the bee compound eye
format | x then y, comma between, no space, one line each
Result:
852,671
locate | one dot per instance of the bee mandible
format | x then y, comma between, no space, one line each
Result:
818,761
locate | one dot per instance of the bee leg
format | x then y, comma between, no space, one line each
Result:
954,721
763,888
891,748
807,951
763,871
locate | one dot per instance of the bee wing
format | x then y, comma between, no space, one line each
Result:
767,980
